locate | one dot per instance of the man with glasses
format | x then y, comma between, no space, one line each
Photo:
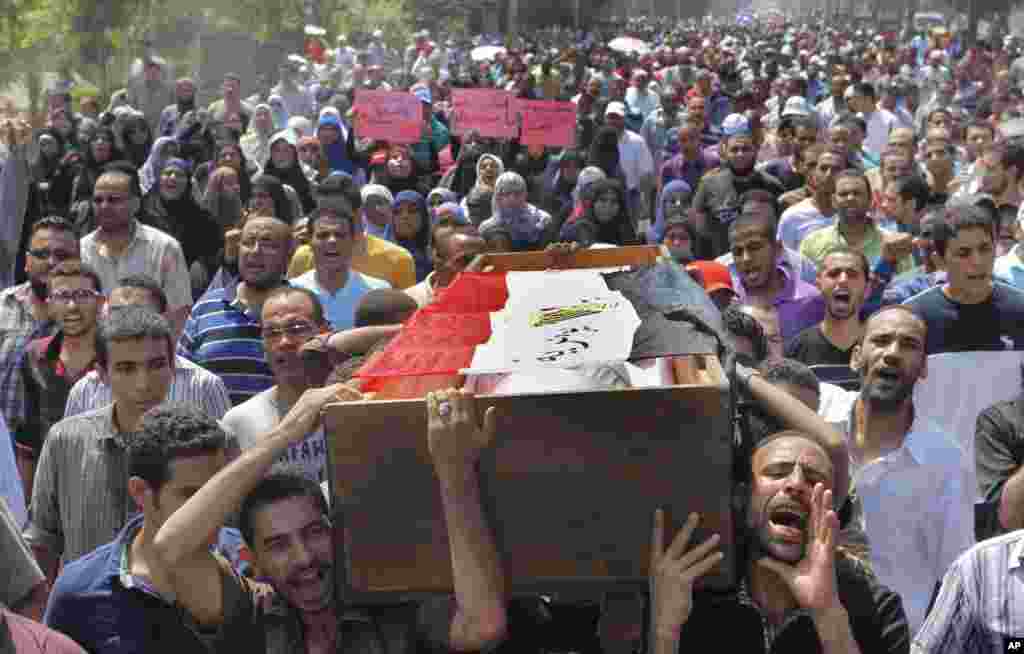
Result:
54,363
24,316
121,245
223,333
334,237
291,316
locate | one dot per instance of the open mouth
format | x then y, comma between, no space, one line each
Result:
789,523
841,298
888,375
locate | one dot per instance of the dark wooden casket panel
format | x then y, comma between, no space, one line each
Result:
570,488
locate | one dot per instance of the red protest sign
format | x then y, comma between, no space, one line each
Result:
547,122
391,116
485,110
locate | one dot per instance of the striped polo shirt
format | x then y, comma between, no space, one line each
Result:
224,337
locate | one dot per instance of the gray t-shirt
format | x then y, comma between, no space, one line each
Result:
253,419
19,573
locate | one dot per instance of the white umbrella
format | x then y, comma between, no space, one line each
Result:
629,45
486,52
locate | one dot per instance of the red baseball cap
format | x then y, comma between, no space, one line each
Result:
713,275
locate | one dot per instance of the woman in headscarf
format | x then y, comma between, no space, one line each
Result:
461,177
580,198
222,198
378,214
228,154
606,218
439,196
49,190
449,213
400,172
169,206
100,151
284,164
412,230
604,153
674,200
529,226
479,202
270,199
136,138
337,143
164,148
256,142
313,164
559,182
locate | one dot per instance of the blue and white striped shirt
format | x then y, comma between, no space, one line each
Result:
224,337
191,385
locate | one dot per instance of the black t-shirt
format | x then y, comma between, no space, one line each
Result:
877,621
995,324
812,348
718,197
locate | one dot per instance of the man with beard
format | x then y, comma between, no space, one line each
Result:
796,592
823,164
856,230
910,476
970,312
835,105
716,203
1000,168
766,282
635,161
184,102
223,334
24,315
286,523
843,282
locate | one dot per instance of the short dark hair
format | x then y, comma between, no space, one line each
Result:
913,187
75,268
738,323
131,323
339,185
280,291
124,168
762,196
853,173
316,214
168,432
383,306
148,284
846,250
957,219
851,121
864,89
56,223
766,226
790,371
279,485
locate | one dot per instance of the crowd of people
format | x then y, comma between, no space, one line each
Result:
186,287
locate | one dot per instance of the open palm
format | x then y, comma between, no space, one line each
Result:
813,579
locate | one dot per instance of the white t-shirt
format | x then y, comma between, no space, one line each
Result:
252,420
800,220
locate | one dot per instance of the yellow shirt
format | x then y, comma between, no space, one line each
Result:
381,259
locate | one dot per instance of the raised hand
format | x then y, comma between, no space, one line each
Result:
454,437
813,580
673,573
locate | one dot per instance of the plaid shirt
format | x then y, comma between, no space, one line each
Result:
980,608
17,328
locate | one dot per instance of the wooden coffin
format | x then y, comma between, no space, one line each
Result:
570,486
